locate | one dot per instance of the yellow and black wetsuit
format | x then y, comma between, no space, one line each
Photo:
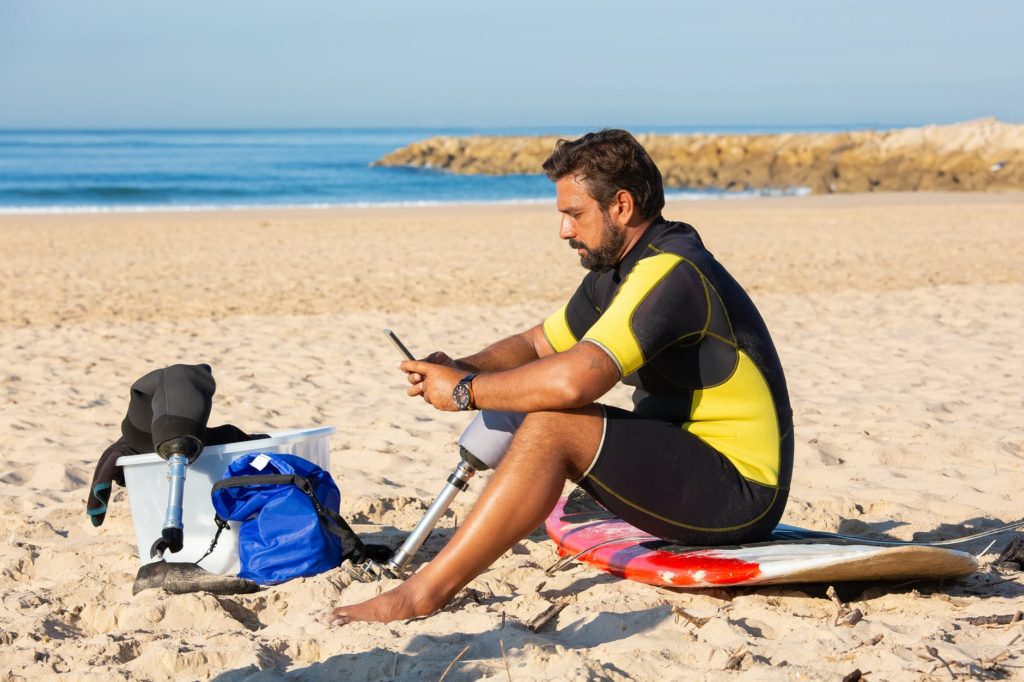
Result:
706,455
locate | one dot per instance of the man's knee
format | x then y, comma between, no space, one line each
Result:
571,435
563,422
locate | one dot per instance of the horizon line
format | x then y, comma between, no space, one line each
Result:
537,127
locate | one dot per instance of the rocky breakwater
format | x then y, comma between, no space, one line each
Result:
980,155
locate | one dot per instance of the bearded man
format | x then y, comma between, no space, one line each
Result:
705,456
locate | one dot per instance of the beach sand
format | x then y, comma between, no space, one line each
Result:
898,318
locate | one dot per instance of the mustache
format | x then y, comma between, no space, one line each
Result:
577,244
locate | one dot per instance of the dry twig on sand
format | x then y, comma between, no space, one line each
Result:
994,664
452,664
504,657
1007,619
933,655
545,616
844,615
735,659
695,621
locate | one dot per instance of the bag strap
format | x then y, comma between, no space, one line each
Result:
339,527
222,526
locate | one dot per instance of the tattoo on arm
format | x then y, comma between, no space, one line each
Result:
599,360
600,363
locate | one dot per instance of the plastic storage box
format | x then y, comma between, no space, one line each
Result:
146,479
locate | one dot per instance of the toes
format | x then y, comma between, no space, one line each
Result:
332,617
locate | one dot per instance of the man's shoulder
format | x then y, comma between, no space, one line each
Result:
678,240
676,237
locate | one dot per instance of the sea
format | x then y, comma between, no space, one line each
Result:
142,170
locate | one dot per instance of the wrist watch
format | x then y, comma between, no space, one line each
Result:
462,394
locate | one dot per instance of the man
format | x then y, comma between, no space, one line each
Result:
704,458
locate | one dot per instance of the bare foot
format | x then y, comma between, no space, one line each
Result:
396,604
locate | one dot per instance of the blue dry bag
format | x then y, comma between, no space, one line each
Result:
288,507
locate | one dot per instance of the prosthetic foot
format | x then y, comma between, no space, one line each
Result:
181,578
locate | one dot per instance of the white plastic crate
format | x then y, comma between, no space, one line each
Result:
146,479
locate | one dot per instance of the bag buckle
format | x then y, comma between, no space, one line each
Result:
368,571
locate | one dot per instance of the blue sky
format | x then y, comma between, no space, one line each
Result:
330,63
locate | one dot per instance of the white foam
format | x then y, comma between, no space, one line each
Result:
185,208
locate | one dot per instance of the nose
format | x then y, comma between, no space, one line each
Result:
565,230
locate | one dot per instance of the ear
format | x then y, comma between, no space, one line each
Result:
624,207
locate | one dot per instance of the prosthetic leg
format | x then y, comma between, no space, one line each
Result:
168,411
179,452
482,446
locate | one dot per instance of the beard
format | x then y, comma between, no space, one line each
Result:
606,256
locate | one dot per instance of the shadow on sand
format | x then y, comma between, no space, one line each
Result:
426,657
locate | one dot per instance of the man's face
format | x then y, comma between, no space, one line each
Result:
587,226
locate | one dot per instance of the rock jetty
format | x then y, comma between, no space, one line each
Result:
981,155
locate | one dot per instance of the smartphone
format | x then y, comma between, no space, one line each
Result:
399,345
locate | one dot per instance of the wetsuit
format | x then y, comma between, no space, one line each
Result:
706,455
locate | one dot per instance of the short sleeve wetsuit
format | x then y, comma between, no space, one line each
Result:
706,455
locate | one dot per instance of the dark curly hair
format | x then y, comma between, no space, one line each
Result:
610,160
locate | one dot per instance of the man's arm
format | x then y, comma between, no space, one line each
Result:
557,381
575,378
514,351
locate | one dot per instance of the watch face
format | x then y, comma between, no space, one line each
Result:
460,396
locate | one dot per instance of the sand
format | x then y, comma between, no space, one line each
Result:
898,319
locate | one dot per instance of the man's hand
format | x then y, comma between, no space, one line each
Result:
558,381
435,358
434,381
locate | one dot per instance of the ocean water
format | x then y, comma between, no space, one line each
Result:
102,170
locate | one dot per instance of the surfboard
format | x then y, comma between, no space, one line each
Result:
791,555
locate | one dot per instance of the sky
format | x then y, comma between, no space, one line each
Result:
457,63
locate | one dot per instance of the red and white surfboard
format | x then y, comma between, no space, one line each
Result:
793,555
